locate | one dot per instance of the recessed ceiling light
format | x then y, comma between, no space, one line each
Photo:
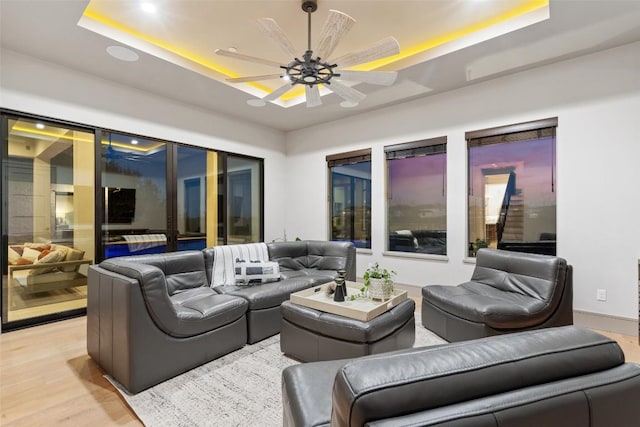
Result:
348,104
256,102
39,126
122,53
134,141
149,7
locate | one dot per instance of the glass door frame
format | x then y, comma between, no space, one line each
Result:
5,116
172,203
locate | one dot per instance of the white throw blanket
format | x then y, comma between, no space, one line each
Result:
138,242
223,272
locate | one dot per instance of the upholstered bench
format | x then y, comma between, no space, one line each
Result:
311,335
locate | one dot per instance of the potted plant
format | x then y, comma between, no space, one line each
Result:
479,244
378,283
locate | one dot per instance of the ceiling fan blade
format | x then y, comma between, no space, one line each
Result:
348,93
254,78
278,92
380,49
384,78
313,95
247,58
335,27
271,28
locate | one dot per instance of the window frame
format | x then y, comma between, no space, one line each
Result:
511,133
419,148
346,158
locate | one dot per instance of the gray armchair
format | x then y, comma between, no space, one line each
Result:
508,292
151,317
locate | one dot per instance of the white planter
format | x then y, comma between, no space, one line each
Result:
379,289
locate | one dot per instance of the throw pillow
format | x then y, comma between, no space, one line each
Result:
15,252
71,254
53,256
256,272
30,254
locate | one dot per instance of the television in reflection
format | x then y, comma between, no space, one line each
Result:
120,205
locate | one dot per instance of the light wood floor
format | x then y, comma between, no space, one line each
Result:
47,378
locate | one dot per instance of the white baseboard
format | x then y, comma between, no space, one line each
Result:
605,322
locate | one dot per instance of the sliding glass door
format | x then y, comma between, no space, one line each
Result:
197,198
74,195
48,191
244,200
134,191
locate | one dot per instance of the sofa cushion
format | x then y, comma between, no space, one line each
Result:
325,275
537,276
268,295
480,303
202,310
182,270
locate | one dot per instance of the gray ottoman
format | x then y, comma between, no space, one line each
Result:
311,335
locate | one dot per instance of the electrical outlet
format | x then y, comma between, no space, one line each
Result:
601,294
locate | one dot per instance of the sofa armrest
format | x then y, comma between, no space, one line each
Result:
154,291
396,384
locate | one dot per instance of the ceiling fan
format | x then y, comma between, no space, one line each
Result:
314,69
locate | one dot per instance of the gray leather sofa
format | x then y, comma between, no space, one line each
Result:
556,377
508,292
151,317
303,264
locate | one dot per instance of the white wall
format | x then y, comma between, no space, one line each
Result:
597,101
38,87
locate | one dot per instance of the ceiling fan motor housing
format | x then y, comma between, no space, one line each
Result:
309,5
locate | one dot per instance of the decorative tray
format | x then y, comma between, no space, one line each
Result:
361,308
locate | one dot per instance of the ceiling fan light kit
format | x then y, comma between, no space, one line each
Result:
313,69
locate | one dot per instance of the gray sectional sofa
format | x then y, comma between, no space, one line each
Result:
151,317
556,377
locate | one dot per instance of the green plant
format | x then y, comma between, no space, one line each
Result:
479,244
373,272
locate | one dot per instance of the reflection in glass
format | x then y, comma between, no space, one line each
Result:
512,199
417,207
351,203
135,197
243,200
197,198
50,214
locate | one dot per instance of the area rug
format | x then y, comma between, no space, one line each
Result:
239,389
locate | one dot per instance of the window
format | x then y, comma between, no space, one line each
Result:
350,197
417,196
512,199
